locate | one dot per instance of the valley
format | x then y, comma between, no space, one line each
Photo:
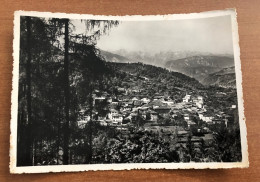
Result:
200,66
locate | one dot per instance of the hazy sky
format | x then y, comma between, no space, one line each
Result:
213,35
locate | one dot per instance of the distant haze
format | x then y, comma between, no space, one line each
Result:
211,35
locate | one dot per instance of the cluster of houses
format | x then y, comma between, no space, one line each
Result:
130,109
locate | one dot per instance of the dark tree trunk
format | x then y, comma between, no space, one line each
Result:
21,139
59,157
28,140
67,95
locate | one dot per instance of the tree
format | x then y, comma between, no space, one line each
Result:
55,82
28,147
67,95
36,77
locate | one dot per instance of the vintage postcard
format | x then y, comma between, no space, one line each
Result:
126,92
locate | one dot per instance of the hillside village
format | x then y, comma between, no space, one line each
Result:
188,120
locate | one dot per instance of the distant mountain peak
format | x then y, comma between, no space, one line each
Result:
200,66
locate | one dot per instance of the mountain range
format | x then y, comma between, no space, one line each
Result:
200,66
156,59
223,78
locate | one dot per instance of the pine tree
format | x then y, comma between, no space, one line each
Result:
67,95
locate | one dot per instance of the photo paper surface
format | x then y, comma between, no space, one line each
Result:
126,92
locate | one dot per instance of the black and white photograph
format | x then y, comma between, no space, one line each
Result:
126,92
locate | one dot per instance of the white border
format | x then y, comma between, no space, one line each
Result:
94,167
